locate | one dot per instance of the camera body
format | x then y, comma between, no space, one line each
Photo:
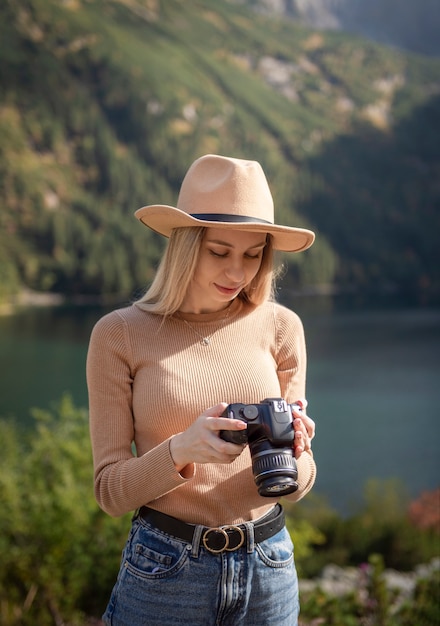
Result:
270,435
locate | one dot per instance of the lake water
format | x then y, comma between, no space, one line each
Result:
373,385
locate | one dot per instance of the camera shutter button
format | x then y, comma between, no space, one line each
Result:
250,412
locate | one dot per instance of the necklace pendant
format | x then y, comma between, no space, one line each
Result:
205,341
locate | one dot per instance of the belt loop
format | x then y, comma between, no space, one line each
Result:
136,514
250,536
197,536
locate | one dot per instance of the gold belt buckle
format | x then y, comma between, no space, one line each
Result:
222,530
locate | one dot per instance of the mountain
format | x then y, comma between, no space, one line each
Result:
406,24
105,103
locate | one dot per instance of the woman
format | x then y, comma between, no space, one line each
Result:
205,548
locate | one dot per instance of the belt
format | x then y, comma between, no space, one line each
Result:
219,539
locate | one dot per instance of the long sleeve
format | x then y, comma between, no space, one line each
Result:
119,475
292,366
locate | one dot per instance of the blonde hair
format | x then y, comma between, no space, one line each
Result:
178,265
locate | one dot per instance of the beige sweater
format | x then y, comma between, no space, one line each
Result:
149,378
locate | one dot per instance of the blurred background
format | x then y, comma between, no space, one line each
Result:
105,104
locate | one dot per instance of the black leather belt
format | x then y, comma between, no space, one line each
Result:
220,539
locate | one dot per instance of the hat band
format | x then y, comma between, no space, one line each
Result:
227,217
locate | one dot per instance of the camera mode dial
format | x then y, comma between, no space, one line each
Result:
250,412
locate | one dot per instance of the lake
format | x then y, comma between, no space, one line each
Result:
373,385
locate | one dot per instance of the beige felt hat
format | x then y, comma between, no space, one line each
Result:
222,192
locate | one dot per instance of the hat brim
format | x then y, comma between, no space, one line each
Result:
163,219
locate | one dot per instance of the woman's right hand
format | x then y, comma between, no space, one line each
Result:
201,443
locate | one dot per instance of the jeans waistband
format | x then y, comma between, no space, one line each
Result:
218,539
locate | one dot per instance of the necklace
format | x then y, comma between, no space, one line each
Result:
206,340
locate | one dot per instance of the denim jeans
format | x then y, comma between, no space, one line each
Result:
164,581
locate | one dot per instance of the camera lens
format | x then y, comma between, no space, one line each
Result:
275,471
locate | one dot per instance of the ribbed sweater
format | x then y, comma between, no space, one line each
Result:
149,377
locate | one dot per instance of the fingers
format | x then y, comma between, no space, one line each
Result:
309,424
226,448
217,424
201,442
304,428
215,411
300,443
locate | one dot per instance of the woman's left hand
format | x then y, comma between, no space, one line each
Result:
304,428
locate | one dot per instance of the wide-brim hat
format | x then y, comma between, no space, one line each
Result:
228,193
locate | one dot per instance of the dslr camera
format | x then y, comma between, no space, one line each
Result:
270,436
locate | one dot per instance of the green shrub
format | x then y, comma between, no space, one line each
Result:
319,608
373,603
423,609
381,525
59,554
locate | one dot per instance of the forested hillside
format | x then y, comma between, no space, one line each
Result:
105,103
